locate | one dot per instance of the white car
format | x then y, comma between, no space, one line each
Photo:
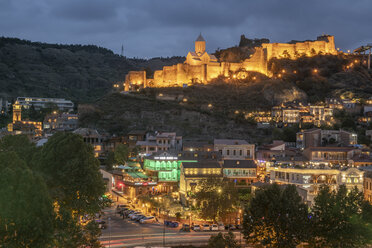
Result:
136,216
196,227
214,227
221,227
135,213
206,227
150,219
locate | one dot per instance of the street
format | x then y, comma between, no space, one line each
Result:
126,233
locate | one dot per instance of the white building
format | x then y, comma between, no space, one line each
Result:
40,103
311,178
234,149
160,141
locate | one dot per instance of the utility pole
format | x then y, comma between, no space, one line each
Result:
122,50
164,234
109,219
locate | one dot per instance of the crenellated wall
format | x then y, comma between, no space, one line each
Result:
203,68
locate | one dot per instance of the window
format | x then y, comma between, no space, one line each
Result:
227,152
220,151
234,152
241,152
248,153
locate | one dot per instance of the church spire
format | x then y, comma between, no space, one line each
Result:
200,45
200,38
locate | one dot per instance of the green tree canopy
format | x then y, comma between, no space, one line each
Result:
121,153
26,210
216,199
72,173
223,241
276,217
20,144
341,219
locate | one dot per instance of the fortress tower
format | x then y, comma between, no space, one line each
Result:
17,111
200,45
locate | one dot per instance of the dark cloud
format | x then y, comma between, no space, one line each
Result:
149,28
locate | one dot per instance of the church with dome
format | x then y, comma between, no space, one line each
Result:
200,56
201,67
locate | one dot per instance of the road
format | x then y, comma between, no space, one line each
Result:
126,233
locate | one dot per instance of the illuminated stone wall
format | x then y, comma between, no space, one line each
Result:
135,77
202,68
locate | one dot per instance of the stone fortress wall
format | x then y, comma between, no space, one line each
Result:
200,67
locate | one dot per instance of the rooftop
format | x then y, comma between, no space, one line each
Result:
331,149
239,164
200,38
230,142
201,164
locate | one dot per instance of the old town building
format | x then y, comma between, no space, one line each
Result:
234,149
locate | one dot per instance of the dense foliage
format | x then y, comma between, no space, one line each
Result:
44,192
223,241
276,217
341,219
82,73
215,199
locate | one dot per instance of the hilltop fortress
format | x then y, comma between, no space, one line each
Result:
201,67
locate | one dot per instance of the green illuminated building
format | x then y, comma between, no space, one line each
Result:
166,166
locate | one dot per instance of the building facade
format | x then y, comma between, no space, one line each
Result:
241,172
40,103
234,149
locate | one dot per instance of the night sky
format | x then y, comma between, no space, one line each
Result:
151,28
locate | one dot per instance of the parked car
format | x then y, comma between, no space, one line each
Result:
171,223
196,227
214,227
206,227
221,226
134,213
137,217
185,227
230,227
150,219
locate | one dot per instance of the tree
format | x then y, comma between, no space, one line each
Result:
223,241
20,144
276,217
341,219
75,184
121,153
72,173
26,210
216,198
110,160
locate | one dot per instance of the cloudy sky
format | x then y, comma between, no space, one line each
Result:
150,28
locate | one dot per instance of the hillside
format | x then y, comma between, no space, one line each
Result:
80,73
119,113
